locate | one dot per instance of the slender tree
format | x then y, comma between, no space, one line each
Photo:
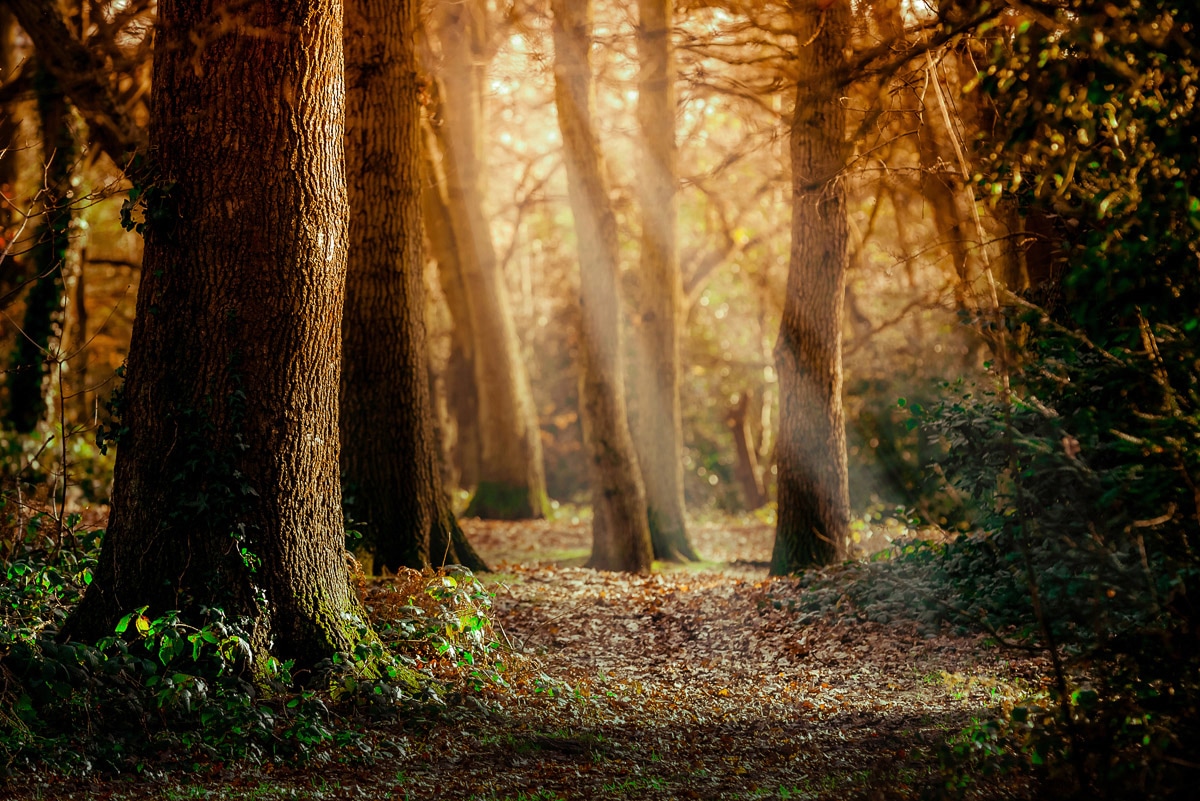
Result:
813,501
53,261
656,418
458,380
389,452
226,491
8,122
620,532
512,482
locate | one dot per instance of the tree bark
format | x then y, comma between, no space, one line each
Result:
620,531
814,504
389,451
54,262
512,482
226,491
656,418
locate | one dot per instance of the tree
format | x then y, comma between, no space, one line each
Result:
82,73
657,426
54,260
458,377
389,453
226,491
512,483
813,494
620,532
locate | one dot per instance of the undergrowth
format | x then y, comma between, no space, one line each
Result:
162,692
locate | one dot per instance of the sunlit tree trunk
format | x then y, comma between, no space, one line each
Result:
53,262
389,451
226,491
657,427
813,501
620,532
512,483
462,395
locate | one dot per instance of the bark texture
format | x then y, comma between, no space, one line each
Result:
657,422
512,482
226,491
53,262
814,504
389,449
620,532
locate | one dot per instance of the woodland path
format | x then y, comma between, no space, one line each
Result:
706,682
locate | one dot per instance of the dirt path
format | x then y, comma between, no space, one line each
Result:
711,683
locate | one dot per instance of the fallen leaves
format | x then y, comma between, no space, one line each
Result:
709,684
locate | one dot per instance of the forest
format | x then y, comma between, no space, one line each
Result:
523,400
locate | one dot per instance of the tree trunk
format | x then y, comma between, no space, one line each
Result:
814,503
462,394
746,468
512,482
54,262
389,452
9,125
226,491
657,426
620,532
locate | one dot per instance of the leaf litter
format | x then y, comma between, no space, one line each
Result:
707,681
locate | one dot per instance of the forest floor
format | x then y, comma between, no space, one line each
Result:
704,681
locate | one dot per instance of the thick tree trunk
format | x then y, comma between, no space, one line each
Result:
53,262
512,482
814,504
389,452
226,491
656,418
620,532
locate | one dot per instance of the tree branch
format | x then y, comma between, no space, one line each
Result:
83,77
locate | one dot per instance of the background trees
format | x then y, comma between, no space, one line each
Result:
389,454
510,483
920,239
620,528
657,426
735,71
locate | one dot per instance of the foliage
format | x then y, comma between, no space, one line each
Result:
1080,459
166,690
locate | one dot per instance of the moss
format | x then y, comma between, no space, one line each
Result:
494,500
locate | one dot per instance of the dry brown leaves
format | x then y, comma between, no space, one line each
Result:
682,684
